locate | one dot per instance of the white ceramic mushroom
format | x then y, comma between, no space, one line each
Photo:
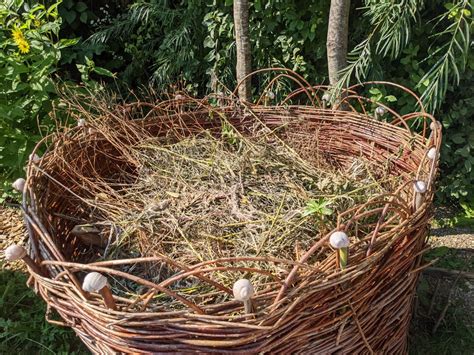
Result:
95,282
19,184
271,95
34,158
432,153
340,241
380,111
420,189
243,291
17,252
326,99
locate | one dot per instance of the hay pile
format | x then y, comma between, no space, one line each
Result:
207,197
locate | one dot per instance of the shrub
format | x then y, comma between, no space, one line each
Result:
30,51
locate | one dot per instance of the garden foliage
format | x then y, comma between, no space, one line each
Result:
30,52
190,45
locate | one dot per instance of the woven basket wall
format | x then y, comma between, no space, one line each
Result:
314,310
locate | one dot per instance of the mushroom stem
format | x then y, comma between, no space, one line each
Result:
343,256
32,265
418,200
248,306
108,298
340,241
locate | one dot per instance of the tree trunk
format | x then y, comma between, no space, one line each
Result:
336,43
242,39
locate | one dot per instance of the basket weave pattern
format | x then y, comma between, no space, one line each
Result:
307,309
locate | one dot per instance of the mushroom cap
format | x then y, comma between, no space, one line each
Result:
271,95
243,290
326,97
81,122
339,240
420,186
432,153
93,282
19,184
35,158
14,252
434,125
179,97
380,110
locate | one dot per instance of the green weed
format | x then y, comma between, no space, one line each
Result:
23,328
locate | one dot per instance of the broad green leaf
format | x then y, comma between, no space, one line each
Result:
80,6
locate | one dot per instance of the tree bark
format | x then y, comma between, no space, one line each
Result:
336,43
242,39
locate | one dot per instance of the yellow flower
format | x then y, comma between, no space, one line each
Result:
20,40
17,35
23,46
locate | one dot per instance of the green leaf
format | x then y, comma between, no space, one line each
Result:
458,138
326,211
68,4
448,5
63,43
208,42
374,91
83,17
69,16
81,7
104,72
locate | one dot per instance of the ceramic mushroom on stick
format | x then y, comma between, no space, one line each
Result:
269,96
380,111
432,153
34,158
340,241
97,283
420,189
17,252
243,291
326,100
19,184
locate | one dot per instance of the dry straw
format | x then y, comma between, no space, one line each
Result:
176,202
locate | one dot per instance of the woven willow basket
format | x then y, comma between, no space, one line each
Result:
312,309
